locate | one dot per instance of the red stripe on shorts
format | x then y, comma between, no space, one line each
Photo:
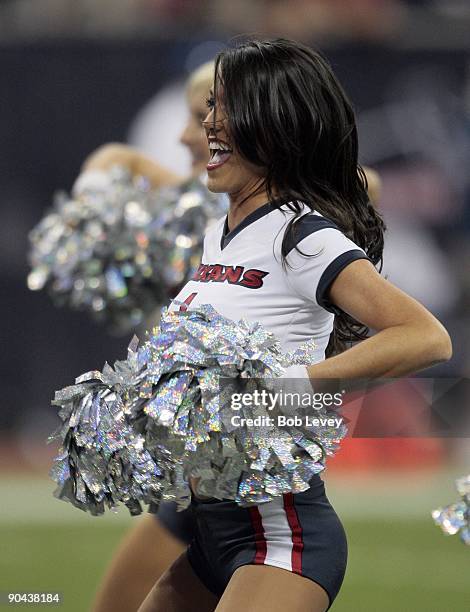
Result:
296,528
260,541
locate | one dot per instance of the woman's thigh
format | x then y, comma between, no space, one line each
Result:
145,554
179,590
256,588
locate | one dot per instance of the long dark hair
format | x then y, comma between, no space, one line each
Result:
297,123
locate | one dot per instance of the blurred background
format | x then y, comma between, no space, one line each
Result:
78,73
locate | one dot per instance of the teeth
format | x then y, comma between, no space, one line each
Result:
217,146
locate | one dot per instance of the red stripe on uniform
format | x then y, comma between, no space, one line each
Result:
261,545
296,528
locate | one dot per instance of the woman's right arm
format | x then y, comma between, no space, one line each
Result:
115,154
408,339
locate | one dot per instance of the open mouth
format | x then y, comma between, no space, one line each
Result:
219,154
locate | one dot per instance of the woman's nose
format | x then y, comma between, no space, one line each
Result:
208,122
209,116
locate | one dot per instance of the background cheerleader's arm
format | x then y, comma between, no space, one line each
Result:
374,185
111,154
115,154
409,338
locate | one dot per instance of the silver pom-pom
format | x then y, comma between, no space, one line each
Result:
121,250
167,418
455,518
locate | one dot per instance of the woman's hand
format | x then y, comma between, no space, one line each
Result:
409,337
115,154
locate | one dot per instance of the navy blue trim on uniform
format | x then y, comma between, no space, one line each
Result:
227,236
305,226
227,536
331,272
180,524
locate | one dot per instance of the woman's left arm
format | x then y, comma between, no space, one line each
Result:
408,338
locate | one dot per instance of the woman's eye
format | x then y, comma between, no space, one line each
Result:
210,102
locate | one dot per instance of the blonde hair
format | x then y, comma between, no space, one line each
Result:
201,78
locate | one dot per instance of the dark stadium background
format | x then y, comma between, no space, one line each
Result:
69,84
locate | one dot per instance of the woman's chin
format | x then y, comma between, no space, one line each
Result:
214,185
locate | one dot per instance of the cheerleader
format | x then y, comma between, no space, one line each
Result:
136,565
100,161
296,252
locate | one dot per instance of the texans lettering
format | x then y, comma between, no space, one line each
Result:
234,275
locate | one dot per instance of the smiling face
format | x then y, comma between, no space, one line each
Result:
228,172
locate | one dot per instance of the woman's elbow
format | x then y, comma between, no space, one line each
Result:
439,343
